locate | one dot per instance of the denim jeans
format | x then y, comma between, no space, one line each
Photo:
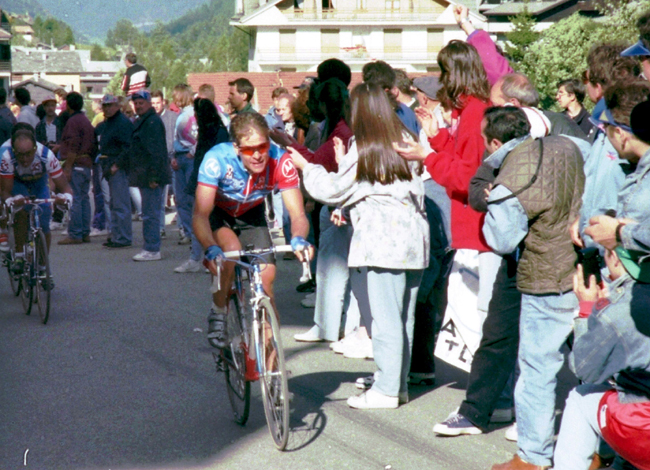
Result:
185,202
100,220
80,211
579,432
387,298
545,324
151,217
332,275
121,227
106,196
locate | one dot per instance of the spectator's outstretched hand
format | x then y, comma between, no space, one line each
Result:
410,150
298,160
428,121
460,12
585,294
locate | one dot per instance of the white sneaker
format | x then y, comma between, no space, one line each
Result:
372,400
189,266
145,255
339,346
310,336
56,226
309,301
65,232
360,349
94,232
511,433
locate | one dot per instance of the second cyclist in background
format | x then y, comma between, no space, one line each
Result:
25,168
233,181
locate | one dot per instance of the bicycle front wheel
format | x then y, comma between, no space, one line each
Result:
273,374
26,292
14,280
239,389
42,277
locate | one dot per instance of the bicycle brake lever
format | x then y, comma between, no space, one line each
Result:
216,281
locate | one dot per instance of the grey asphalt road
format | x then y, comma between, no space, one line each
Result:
122,377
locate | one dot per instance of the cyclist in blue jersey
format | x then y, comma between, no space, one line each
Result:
25,168
234,179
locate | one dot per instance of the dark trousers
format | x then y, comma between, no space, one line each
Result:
495,358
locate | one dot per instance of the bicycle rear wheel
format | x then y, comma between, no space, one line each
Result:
42,278
273,374
234,367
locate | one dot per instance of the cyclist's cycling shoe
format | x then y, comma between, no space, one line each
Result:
18,266
217,333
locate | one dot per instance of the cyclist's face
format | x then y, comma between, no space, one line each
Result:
253,149
24,150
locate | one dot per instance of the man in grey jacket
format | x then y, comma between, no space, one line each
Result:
169,118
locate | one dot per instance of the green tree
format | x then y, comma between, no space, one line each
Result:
52,31
522,36
97,53
123,34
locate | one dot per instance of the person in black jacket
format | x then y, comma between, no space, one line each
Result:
48,131
149,171
114,135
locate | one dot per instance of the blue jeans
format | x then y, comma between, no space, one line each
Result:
387,299
151,217
332,275
121,227
99,220
80,211
579,432
185,202
545,324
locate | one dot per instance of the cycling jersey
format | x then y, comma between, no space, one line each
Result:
237,190
45,164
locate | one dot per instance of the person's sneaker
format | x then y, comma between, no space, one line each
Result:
4,241
360,349
309,301
112,244
189,266
371,399
95,232
185,240
217,334
339,346
56,226
502,415
145,255
306,287
310,336
422,378
511,433
456,425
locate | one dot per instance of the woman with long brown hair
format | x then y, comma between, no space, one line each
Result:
390,243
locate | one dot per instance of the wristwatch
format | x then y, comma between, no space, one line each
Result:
618,233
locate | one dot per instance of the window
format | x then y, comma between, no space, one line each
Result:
287,41
329,41
392,5
392,43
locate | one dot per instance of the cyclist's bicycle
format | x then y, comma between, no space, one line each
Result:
29,271
254,350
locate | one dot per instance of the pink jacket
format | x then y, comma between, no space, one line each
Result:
496,66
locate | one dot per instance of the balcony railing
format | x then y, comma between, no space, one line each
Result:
420,15
5,66
356,53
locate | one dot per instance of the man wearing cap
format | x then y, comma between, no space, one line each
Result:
149,170
641,49
426,91
114,135
48,131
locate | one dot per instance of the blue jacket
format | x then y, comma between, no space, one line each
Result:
634,203
608,341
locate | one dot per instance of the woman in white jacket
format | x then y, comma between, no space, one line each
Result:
390,245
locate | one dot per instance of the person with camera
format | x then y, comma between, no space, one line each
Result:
536,195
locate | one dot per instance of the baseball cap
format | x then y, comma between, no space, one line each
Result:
429,85
306,83
141,95
109,99
636,50
636,263
605,117
49,97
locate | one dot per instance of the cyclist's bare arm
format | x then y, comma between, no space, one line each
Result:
203,206
61,186
299,225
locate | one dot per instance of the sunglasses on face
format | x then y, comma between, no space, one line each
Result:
250,151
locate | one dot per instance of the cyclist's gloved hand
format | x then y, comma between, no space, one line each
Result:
17,200
64,199
299,244
213,252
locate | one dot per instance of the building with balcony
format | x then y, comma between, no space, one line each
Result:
296,35
5,52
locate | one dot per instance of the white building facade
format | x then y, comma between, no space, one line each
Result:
292,36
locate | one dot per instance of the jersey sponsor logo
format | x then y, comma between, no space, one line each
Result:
212,169
289,170
4,166
230,173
